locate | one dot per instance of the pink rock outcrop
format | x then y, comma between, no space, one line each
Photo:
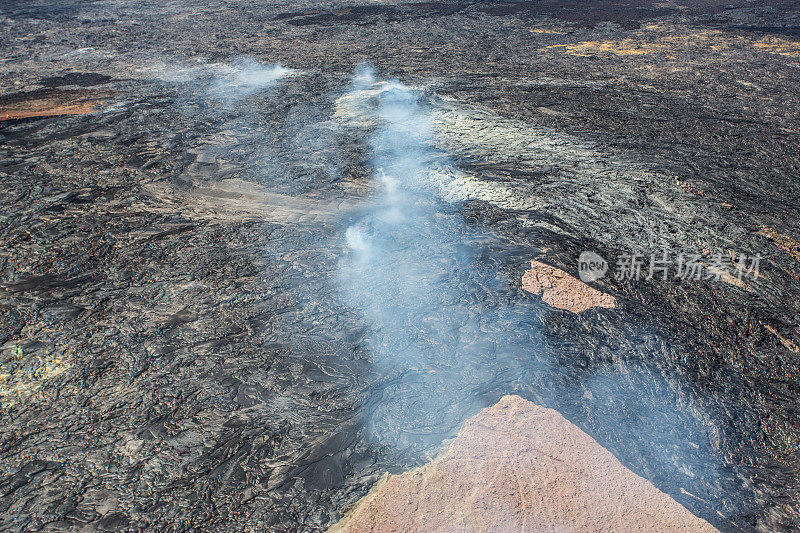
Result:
517,467
559,289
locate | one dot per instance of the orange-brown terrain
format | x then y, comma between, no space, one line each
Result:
49,103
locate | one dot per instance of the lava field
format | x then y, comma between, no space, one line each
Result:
254,256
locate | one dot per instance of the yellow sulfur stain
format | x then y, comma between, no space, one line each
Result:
784,242
788,343
19,384
655,38
625,47
545,31
778,46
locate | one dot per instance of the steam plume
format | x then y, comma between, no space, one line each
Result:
447,333
406,270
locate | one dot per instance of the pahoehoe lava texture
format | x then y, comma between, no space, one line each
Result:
176,353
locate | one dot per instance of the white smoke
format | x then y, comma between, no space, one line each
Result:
224,82
446,333
406,268
244,77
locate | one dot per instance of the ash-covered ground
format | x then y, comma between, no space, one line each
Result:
244,274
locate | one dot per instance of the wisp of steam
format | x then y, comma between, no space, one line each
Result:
226,83
231,107
448,335
409,271
245,76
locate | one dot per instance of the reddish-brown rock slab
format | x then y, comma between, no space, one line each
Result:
517,466
560,290
49,103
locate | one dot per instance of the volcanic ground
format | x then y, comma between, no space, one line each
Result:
255,255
